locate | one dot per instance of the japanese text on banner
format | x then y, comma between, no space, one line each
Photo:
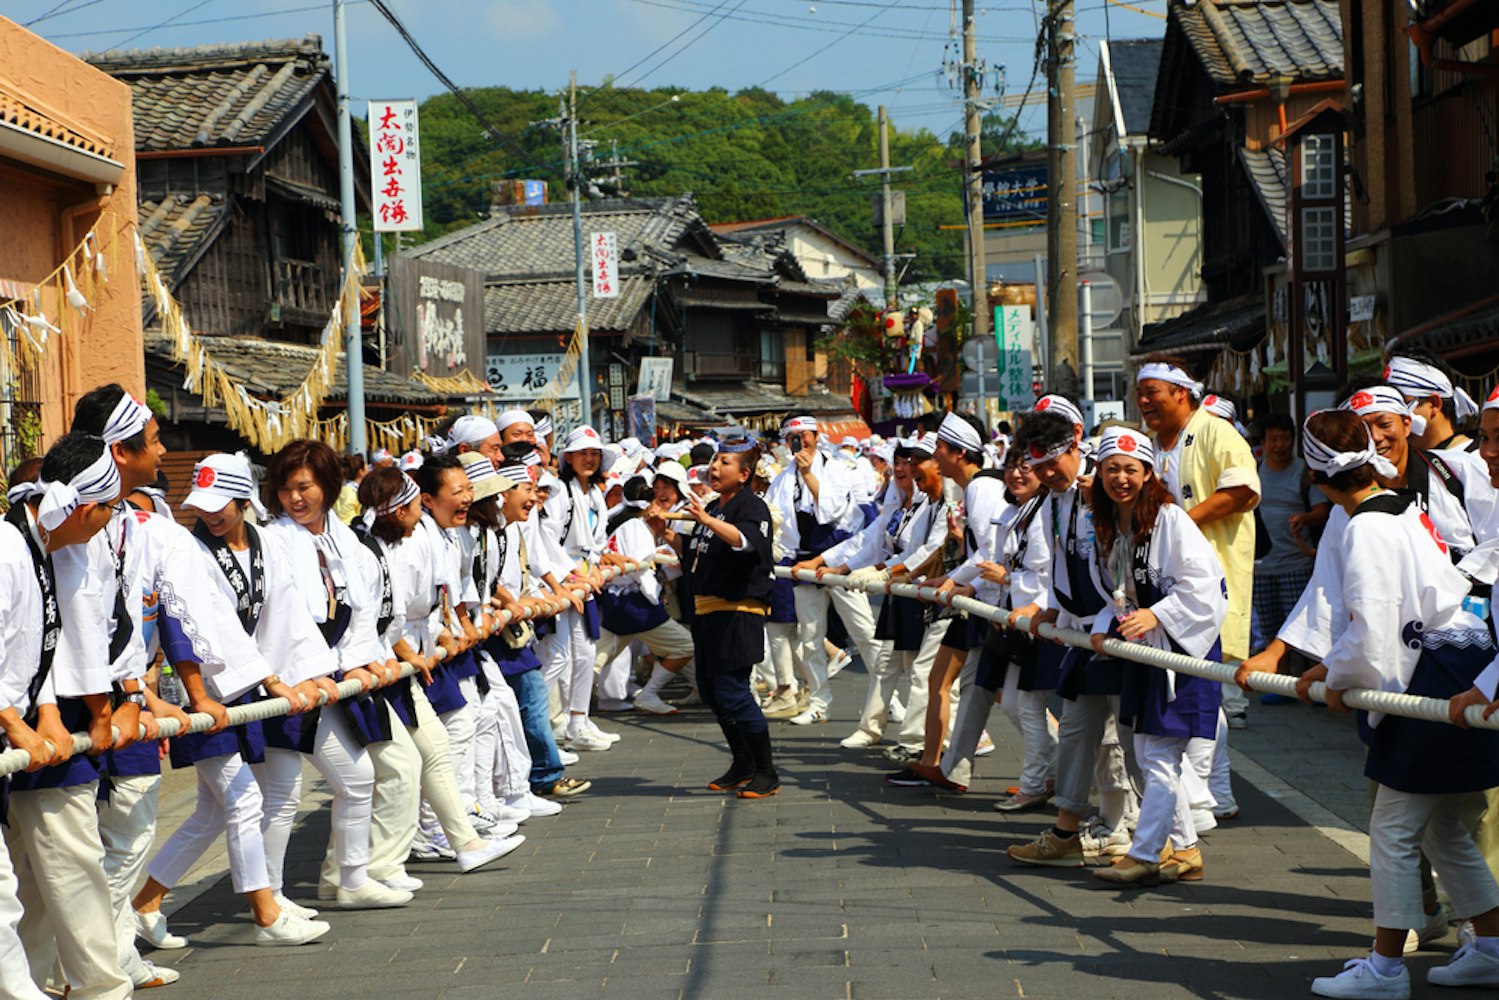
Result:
604,248
395,166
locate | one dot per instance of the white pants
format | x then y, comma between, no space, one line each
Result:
127,827
900,668
1213,787
440,797
461,725
567,659
15,974
394,808
1164,807
812,604
778,668
1026,709
53,839
348,770
917,667
502,763
1401,827
229,803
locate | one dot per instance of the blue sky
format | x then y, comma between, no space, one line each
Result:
882,52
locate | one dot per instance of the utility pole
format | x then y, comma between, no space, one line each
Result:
1061,203
973,123
353,335
575,183
887,215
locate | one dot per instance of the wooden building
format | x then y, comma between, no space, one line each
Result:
237,159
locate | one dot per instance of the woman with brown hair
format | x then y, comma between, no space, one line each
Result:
1166,587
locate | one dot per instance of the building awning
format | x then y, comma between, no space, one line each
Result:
31,136
1473,329
1239,323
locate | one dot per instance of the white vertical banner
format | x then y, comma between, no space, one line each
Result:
605,252
395,166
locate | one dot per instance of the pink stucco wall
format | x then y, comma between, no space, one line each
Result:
46,215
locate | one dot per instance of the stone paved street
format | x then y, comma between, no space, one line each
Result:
650,886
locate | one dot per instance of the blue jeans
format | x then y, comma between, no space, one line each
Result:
535,717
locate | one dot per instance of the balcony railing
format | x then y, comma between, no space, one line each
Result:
303,286
703,364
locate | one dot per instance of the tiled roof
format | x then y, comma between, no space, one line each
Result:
14,110
552,306
1237,323
1267,169
1249,41
1135,64
537,241
215,95
751,396
175,228
267,368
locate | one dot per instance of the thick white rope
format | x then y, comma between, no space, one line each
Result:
1390,703
12,761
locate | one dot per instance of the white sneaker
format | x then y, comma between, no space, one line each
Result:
431,846
837,663
567,758
1359,979
1099,840
589,741
150,975
858,741
401,883
986,745
540,806
289,930
649,701
507,813
493,850
1469,967
152,929
595,730
371,896
814,714
297,909
481,819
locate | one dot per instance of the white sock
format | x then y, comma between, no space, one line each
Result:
352,877
659,676
1386,967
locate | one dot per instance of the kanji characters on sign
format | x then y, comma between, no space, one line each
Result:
396,168
604,249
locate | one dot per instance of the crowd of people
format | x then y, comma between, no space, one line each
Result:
532,581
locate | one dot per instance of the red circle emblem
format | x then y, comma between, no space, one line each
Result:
1037,451
1210,400
1387,370
1127,443
1494,395
1360,400
205,478
1043,403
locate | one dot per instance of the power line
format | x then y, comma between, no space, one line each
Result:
691,41
489,130
304,8
161,24
803,23
55,9
814,54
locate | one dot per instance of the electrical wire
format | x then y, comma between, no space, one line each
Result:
817,52
490,131
56,9
818,24
302,9
161,24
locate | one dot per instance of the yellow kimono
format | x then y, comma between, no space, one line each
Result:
1210,455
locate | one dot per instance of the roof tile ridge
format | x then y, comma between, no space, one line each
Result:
260,100
221,109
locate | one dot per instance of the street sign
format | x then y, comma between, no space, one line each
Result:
395,162
1016,333
980,353
605,265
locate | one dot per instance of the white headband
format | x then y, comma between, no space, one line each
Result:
1062,405
381,455
960,433
510,418
1329,462
1416,378
1384,399
1220,407
1492,403
798,424
1036,454
1163,372
99,483
544,428
517,474
227,476
1126,442
471,429
409,492
128,419
924,443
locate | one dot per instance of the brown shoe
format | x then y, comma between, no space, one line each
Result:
1050,851
1183,866
782,706
1128,872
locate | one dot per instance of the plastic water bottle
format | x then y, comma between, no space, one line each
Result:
169,687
